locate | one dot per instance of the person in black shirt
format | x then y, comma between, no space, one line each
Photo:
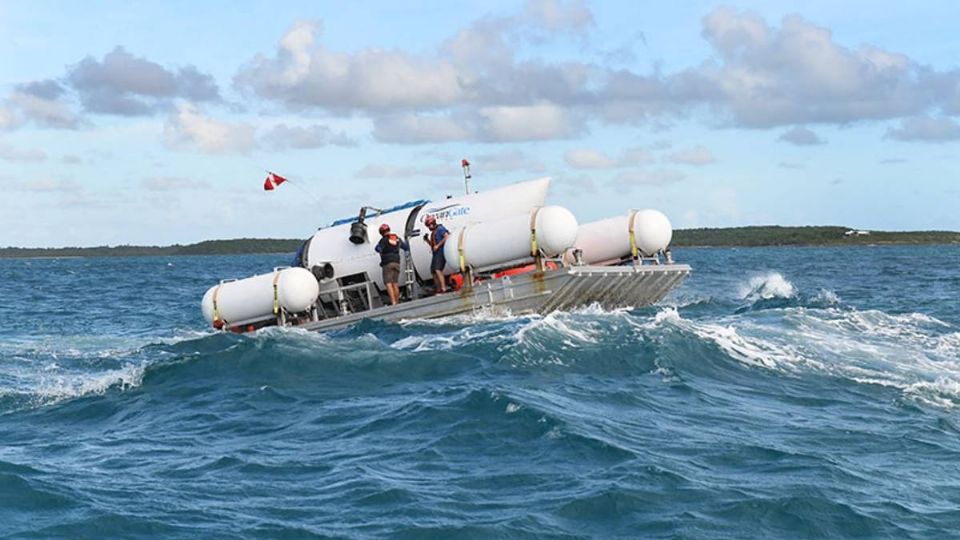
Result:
389,248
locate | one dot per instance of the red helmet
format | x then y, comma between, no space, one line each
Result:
384,228
430,220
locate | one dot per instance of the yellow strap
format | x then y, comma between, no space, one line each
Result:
534,250
460,250
276,294
216,308
633,236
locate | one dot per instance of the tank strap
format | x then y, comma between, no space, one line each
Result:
216,307
276,293
461,250
534,249
633,236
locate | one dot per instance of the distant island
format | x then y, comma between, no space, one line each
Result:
720,237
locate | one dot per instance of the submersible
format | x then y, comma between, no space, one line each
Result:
507,252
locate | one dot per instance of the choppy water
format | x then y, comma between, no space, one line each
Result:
778,393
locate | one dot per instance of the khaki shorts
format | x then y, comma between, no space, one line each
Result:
391,273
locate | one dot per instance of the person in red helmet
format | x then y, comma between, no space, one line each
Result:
389,248
436,238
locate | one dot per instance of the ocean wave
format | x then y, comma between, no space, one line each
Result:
913,352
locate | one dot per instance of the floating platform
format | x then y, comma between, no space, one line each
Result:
564,288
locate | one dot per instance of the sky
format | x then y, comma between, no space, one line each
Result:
155,123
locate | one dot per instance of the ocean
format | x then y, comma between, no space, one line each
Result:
778,393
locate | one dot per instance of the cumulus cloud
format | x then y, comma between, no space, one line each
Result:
42,102
925,129
801,136
797,73
476,87
187,128
693,156
411,128
9,153
303,73
127,85
542,121
315,136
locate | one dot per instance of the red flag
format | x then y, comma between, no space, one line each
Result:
273,180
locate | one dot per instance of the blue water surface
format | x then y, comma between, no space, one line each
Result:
778,393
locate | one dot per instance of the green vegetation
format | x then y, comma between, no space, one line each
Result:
210,247
804,236
734,236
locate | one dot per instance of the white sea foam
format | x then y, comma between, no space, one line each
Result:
826,297
906,351
767,286
68,386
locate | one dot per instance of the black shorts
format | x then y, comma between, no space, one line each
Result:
391,272
439,262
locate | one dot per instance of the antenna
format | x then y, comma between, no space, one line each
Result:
466,174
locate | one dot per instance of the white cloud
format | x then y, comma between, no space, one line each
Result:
693,156
801,136
798,74
127,85
543,121
304,74
45,111
925,129
488,124
475,87
409,128
188,128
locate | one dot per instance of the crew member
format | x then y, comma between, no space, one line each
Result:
389,248
436,238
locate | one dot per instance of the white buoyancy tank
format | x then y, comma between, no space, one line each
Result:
510,241
332,245
609,239
252,299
